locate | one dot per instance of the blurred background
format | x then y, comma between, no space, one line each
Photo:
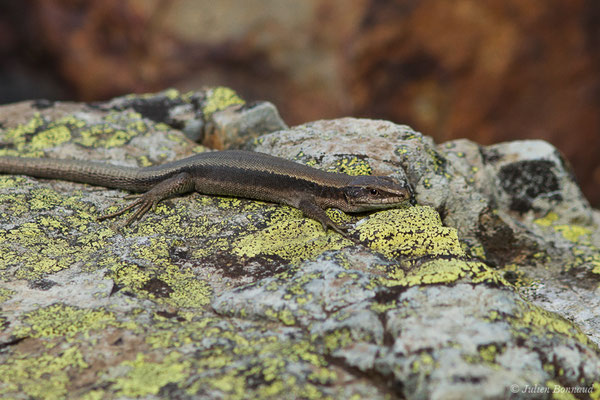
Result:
489,71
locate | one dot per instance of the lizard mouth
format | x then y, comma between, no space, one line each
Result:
379,203
389,202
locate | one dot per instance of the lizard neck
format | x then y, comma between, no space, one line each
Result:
328,196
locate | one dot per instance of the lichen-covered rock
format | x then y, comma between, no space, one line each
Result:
487,287
215,117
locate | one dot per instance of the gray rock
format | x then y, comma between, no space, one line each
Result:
487,288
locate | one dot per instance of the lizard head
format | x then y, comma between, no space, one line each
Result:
366,193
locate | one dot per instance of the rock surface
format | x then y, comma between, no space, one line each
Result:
486,288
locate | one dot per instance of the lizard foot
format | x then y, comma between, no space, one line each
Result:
143,203
174,185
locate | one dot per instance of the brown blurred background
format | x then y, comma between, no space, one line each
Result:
490,70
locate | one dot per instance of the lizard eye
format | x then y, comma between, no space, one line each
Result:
374,192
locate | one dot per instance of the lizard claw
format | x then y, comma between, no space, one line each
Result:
336,228
144,203
180,183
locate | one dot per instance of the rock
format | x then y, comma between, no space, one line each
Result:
486,288
216,117
236,126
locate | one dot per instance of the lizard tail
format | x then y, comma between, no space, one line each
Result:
94,173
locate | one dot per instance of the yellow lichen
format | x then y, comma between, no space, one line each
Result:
59,320
352,165
50,138
147,378
161,281
43,377
595,394
269,354
219,98
536,320
105,135
572,233
547,220
5,294
476,251
96,394
338,339
18,136
188,290
171,93
559,392
43,247
425,364
430,253
291,239
284,316
410,232
488,353
435,271
163,284
383,307
71,121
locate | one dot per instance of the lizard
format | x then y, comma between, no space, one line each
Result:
236,173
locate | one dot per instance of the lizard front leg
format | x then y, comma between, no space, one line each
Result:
178,184
310,208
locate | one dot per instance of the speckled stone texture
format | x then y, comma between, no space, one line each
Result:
485,288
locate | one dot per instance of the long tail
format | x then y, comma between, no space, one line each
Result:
81,171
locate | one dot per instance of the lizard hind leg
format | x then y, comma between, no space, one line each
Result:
178,184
